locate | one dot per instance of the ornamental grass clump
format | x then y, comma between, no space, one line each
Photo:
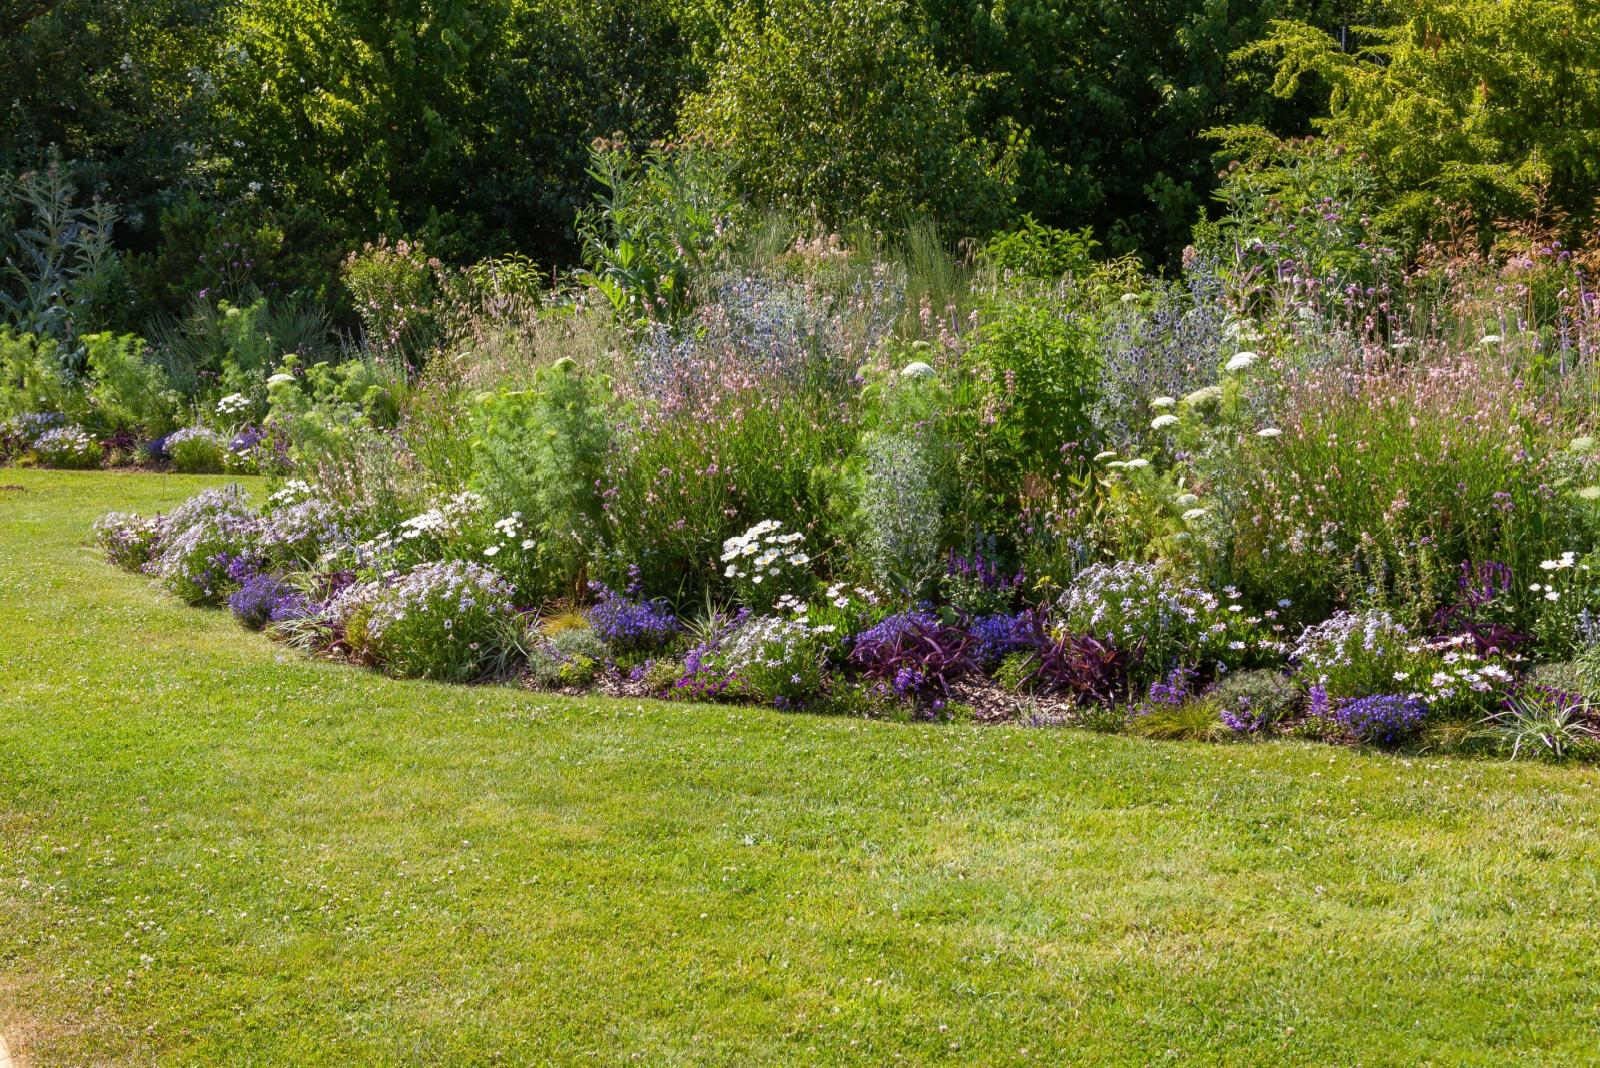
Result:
197,450
1171,711
1540,722
1192,721
442,620
200,539
67,447
129,541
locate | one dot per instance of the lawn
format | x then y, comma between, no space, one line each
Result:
215,852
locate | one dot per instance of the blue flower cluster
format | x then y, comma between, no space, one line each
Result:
998,635
1382,719
261,598
630,626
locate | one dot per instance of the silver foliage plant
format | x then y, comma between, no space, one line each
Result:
902,509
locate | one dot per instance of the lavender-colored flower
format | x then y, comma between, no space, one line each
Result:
1244,717
977,586
261,599
129,541
200,539
1172,691
1482,582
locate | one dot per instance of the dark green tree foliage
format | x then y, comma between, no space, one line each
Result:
1487,106
1114,94
120,89
238,248
465,123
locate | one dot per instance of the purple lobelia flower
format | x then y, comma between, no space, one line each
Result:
262,599
1382,719
630,626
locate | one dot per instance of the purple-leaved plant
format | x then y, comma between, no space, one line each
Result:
915,652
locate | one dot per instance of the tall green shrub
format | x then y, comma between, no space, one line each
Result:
840,111
1492,106
542,453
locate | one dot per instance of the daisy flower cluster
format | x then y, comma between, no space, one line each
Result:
764,563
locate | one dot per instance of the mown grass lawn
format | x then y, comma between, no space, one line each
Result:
216,853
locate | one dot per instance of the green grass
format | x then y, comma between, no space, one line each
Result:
212,852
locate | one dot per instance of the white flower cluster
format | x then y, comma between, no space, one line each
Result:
294,491
1483,679
444,520
837,596
195,433
303,533
1335,641
1129,602
1567,561
769,642
511,530
1134,595
63,442
449,589
801,612
233,404
764,550
1460,668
